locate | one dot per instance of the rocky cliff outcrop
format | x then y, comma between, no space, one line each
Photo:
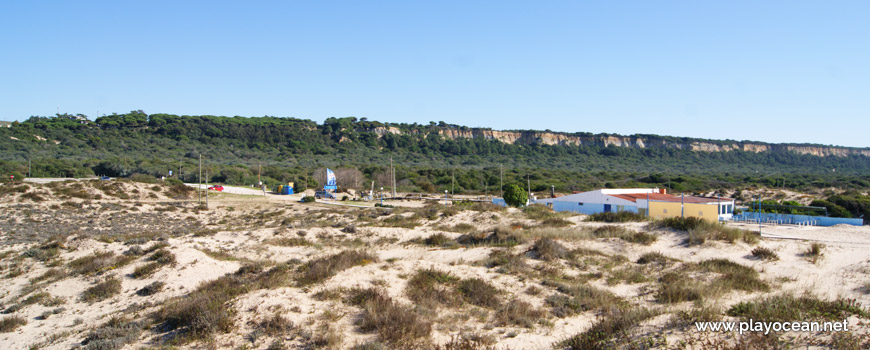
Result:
563,139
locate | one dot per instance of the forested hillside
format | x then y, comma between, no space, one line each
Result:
426,155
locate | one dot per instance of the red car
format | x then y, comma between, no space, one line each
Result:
216,188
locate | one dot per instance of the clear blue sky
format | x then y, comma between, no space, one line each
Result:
777,71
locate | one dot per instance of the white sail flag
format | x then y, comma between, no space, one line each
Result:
330,180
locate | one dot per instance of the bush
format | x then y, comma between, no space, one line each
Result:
601,335
580,298
735,276
102,290
764,253
787,308
11,323
151,289
499,237
653,258
479,292
515,196
518,312
622,216
114,334
439,240
432,288
814,252
394,323
549,249
308,199
322,269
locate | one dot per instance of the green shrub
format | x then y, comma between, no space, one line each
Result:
613,327
11,323
102,291
479,292
787,308
549,249
321,269
519,313
622,216
112,335
515,196
394,323
764,253
308,199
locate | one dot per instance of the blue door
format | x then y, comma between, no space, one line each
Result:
607,208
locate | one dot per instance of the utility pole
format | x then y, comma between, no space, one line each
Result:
501,180
199,184
179,169
529,183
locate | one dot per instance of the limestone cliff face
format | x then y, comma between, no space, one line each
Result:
562,139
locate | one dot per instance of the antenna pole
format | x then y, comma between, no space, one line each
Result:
199,185
501,180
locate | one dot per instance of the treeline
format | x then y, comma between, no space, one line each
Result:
236,150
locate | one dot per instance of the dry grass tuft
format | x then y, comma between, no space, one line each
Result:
580,298
500,237
764,253
549,249
98,262
11,323
102,291
114,334
609,331
319,270
393,322
519,313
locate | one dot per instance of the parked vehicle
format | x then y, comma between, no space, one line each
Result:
323,194
218,188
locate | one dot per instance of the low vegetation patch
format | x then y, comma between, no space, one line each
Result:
151,289
394,323
289,242
573,299
158,259
609,331
102,291
628,235
98,262
654,258
319,270
814,252
701,230
735,276
519,313
500,237
787,308
507,262
764,253
112,335
203,312
549,249
432,288
622,216
439,240
11,323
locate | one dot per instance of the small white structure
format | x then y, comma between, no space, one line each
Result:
639,200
